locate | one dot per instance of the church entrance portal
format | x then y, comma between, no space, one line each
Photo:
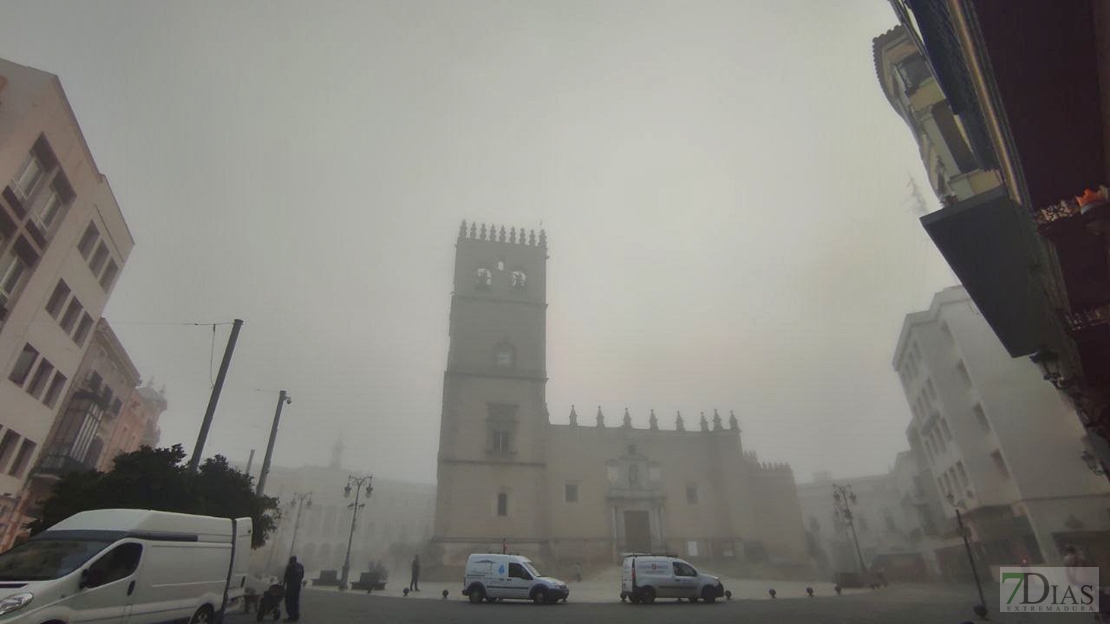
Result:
637,531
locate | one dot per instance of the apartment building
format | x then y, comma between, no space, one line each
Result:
63,244
1000,445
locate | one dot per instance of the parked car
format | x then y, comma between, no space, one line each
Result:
132,565
647,577
498,577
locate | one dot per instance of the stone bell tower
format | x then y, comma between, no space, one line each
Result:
492,486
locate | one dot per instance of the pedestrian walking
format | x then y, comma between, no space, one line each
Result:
294,576
414,584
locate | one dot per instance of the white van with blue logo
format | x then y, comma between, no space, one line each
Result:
512,577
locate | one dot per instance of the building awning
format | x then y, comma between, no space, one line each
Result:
988,246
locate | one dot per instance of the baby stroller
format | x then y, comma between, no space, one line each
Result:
270,602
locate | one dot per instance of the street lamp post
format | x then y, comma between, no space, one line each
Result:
300,501
844,498
354,507
981,608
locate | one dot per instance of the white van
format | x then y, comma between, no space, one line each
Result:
496,577
126,565
647,577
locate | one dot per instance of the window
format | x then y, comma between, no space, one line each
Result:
684,569
94,381
946,331
48,211
981,418
1000,464
117,564
913,71
570,493
39,379
633,476
485,278
55,390
517,571
83,330
7,447
500,441
501,265
517,279
117,405
98,259
109,276
691,495
962,474
23,365
73,312
12,268
29,176
88,239
502,504
945,430
505,356
962,370
22,458
57,299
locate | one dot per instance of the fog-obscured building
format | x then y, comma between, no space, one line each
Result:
586,491
395,524
998,443
889,521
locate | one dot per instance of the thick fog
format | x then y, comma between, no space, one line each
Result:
723,185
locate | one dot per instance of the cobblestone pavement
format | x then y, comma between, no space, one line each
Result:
902,604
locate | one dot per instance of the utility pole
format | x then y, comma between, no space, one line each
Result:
214,398
283,399
354,507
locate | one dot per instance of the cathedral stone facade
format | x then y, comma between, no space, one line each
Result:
510,479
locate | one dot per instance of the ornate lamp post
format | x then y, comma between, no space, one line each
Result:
843,499
354,507
981,608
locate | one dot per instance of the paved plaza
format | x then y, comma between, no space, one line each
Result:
597,600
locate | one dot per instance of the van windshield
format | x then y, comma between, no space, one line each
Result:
532,569
40,560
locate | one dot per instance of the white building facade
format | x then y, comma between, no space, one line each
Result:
998,442
63,243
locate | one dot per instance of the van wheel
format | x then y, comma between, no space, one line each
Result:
709,595
539,596
476,595
647,595
202,616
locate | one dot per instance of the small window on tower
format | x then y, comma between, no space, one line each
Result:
502,504
517,279
485,278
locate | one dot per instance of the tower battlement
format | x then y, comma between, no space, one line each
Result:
497,234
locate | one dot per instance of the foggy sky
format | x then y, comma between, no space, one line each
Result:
723,184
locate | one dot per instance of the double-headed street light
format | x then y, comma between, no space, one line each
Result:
844,498
300,501
354,507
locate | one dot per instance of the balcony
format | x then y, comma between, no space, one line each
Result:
57,465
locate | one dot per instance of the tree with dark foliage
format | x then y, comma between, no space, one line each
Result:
157,478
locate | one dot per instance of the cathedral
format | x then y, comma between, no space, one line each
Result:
509,479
